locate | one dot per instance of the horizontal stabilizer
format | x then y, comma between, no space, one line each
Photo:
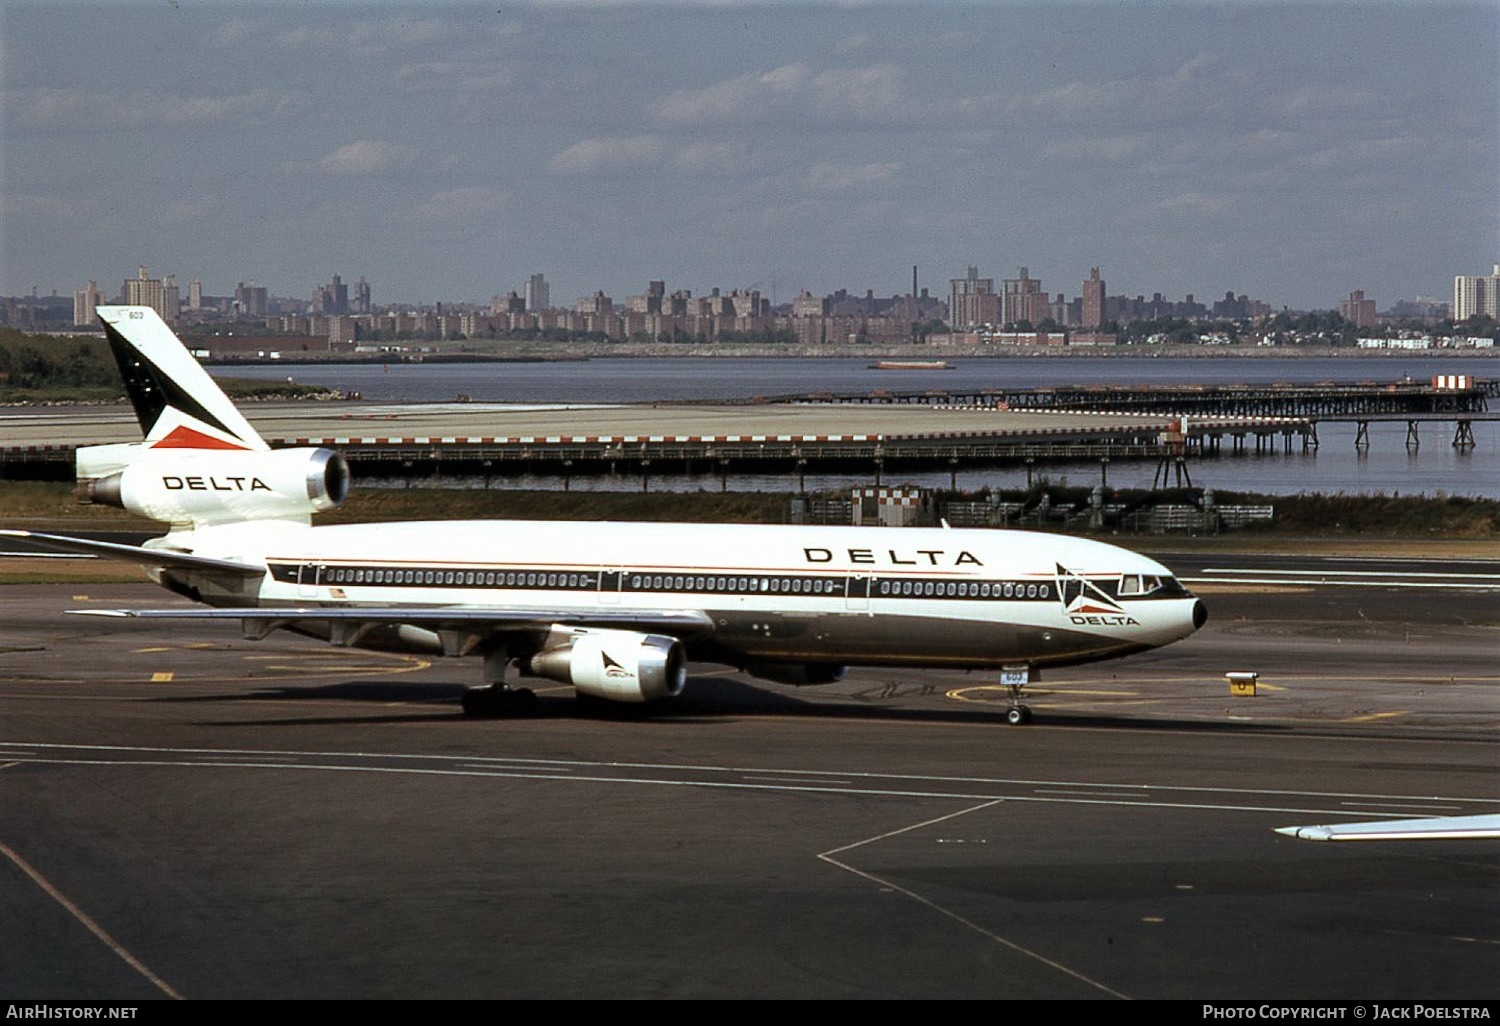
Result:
1440,828
139,554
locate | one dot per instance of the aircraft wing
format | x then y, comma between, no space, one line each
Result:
1440,828
141,554
346,622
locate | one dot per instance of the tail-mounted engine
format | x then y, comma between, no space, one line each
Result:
199,487
622,666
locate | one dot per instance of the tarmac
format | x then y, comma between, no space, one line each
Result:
334,422
186,814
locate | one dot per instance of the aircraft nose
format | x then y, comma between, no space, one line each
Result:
1200,614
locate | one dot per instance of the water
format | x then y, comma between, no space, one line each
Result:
1434,468
649,379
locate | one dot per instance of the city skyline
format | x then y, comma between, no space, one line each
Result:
448,152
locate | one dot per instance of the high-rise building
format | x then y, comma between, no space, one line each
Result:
84,301
972,301
250,300
362,297
537,295
331,299
171,299
1358,310
1476,294
159,295
1024,300
1093,301
195,295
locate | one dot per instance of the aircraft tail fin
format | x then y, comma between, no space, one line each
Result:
201,462
177,404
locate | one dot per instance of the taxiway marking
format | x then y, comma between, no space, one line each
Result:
829,857
88,923
729,778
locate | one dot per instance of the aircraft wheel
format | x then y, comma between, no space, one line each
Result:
1018,715
491,701
480,702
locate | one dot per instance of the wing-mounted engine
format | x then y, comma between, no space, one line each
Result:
199,487
622,666
798,674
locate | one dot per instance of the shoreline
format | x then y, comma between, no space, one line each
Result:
584,352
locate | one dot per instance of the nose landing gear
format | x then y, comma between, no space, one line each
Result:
1015,678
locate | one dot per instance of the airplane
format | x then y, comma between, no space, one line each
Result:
614,609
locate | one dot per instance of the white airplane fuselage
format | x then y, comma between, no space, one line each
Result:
615,609
775,594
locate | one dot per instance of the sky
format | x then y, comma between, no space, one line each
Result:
446,151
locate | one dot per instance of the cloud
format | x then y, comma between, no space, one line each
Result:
459,76
234,33
607,153
1195,203
1363,154
51,208
71,109
461,204
198,210
794,91
207,110
366,157
370,38
1315,101
1097,149
833,176
711,157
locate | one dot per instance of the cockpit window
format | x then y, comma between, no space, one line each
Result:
1138,584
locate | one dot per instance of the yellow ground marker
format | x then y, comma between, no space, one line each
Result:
164,677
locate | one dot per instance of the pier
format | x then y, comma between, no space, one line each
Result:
876,434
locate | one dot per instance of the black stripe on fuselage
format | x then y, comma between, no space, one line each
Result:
696,582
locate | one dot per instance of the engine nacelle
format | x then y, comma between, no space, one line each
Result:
217,487
798,674
622,666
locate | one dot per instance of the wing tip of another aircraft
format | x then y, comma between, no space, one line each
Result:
1481,827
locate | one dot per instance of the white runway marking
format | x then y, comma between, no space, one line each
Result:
88,923
1347,578
768,779
828,857
1379,574
1450,585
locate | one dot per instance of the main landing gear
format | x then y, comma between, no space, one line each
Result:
493,700
1015,678
498,698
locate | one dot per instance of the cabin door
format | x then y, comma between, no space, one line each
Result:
857,590
309,576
